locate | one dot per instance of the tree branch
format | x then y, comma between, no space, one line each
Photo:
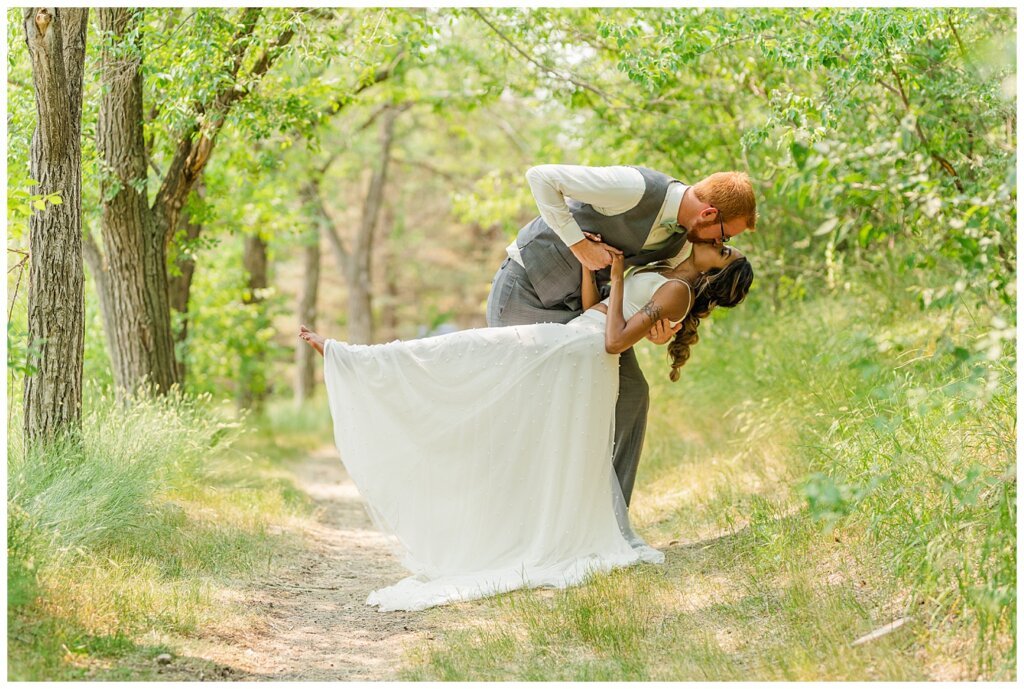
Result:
567,77
322,170
263,63
170,22
946,166
889,87
899,85
956,35
196,144
371,204
240,43
375,192
382,74
373,117
454,179
509,131
327,224
386,107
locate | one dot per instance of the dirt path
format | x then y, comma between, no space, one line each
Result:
311,622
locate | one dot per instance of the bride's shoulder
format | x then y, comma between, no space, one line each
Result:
675,297
674,290
673,285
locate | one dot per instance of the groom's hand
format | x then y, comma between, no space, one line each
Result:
593,254
663,331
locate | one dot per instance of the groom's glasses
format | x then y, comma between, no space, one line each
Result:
711,240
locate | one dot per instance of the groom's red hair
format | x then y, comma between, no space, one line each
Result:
731,193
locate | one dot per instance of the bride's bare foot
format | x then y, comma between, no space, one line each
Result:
315,341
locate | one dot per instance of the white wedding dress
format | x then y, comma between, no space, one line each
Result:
486,453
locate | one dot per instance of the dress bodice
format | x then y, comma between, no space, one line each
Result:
637,290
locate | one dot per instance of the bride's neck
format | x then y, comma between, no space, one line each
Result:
685,270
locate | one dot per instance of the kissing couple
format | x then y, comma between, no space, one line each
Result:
504,457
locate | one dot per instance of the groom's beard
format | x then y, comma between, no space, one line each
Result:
691,234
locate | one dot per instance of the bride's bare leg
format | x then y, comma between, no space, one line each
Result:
315,341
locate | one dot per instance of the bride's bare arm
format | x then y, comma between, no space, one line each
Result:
590,294
672,301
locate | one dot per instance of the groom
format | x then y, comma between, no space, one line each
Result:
643,214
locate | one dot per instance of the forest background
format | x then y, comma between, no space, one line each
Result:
362,170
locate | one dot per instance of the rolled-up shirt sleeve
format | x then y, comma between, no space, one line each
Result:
610,190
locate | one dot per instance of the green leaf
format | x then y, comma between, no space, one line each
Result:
826,227
799,152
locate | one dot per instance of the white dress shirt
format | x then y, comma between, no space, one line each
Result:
610,190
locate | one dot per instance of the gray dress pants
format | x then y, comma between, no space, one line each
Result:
513,301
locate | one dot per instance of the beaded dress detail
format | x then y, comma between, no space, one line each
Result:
486,454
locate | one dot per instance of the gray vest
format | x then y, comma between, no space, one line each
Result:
554,271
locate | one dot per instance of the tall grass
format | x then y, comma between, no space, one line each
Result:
823,468
904,424
131,529
97,490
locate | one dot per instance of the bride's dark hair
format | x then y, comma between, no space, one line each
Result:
727,287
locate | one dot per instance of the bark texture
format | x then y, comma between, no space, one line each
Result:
136,315
131,268
304,354
252,387
180,288
56,307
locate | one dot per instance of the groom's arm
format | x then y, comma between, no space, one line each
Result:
611,190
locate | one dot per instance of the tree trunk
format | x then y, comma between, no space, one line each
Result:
56,306
389,314
360,303
355,264
180,287
360,285
304,354
132,269
252,385
391,256
136,316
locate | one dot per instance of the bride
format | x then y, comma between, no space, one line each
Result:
486,453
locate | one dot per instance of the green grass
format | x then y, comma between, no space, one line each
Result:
819,471
120,541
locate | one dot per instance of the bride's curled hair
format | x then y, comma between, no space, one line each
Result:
727,287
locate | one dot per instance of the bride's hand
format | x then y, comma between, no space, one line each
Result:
617,267
663,331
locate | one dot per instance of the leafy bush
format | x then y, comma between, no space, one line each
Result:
904,428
